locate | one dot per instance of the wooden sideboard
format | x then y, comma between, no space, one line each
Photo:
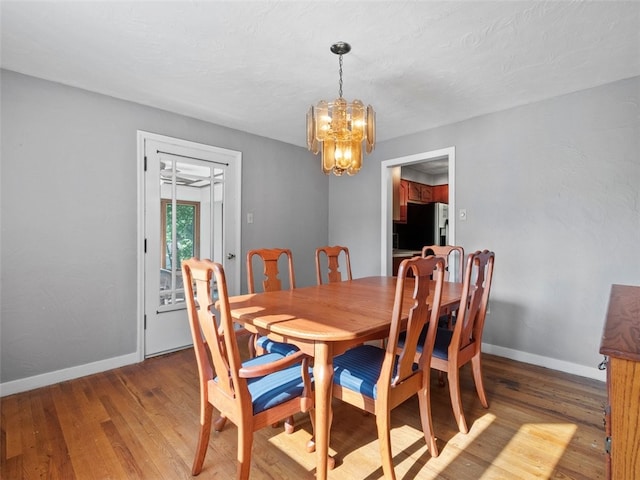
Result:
621,344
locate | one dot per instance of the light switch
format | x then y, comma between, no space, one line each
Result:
250,217
463,214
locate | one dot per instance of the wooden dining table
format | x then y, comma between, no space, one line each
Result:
324,321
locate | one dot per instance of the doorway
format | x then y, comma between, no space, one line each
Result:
190,207
387,168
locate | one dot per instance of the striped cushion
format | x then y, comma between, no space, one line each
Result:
358,369
442,339
275,388
270,346
441,346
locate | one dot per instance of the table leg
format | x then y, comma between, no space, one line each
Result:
323,380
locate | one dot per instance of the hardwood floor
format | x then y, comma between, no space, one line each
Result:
141,421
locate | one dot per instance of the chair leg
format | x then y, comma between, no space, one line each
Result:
453,376
245,443
424,399
289,425
219,423
477,378
251,344
203,440
383,422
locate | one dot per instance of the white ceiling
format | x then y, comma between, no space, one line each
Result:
257,66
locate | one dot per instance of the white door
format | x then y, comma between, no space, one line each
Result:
201,184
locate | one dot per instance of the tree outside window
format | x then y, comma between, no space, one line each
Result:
187,232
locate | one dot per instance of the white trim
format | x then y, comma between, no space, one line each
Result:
386,195
547,362
50,378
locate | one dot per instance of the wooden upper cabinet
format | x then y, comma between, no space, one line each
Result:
440,193
421,193
426,193
415,192
404,199
400,197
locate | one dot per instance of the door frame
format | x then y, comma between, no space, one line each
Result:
386,209
236,156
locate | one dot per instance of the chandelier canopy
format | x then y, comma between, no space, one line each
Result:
339,128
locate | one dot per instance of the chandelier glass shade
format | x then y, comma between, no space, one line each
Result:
338,129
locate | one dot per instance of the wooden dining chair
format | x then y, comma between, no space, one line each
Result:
332,256
253,394
455,348
377,379
271,282
453,255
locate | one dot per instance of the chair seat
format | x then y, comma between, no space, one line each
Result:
358,369
275,388
269,346
443,340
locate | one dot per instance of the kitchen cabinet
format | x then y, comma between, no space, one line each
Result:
621,344
415,193
419,192
425,193
404,199
440,193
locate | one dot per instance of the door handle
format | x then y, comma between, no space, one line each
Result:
230,256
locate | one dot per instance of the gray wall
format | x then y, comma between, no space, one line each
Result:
553,188
68,210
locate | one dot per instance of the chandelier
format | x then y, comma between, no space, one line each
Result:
339,128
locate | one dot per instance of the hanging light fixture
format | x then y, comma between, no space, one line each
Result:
339,128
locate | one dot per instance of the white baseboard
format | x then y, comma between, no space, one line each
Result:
37,381
553,363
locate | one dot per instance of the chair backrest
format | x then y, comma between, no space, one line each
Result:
415,295
472,313
220,339
333,255
270,258
452,254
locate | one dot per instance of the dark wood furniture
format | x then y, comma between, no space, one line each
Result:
621,343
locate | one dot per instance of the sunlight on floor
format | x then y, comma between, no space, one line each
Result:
459,442
536,447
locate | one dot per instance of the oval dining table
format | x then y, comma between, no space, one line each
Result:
324,321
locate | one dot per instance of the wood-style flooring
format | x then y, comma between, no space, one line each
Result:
141,421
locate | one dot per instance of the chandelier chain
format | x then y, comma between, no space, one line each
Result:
340,71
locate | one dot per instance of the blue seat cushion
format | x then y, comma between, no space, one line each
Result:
269,346
441,346
275,388
358,369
